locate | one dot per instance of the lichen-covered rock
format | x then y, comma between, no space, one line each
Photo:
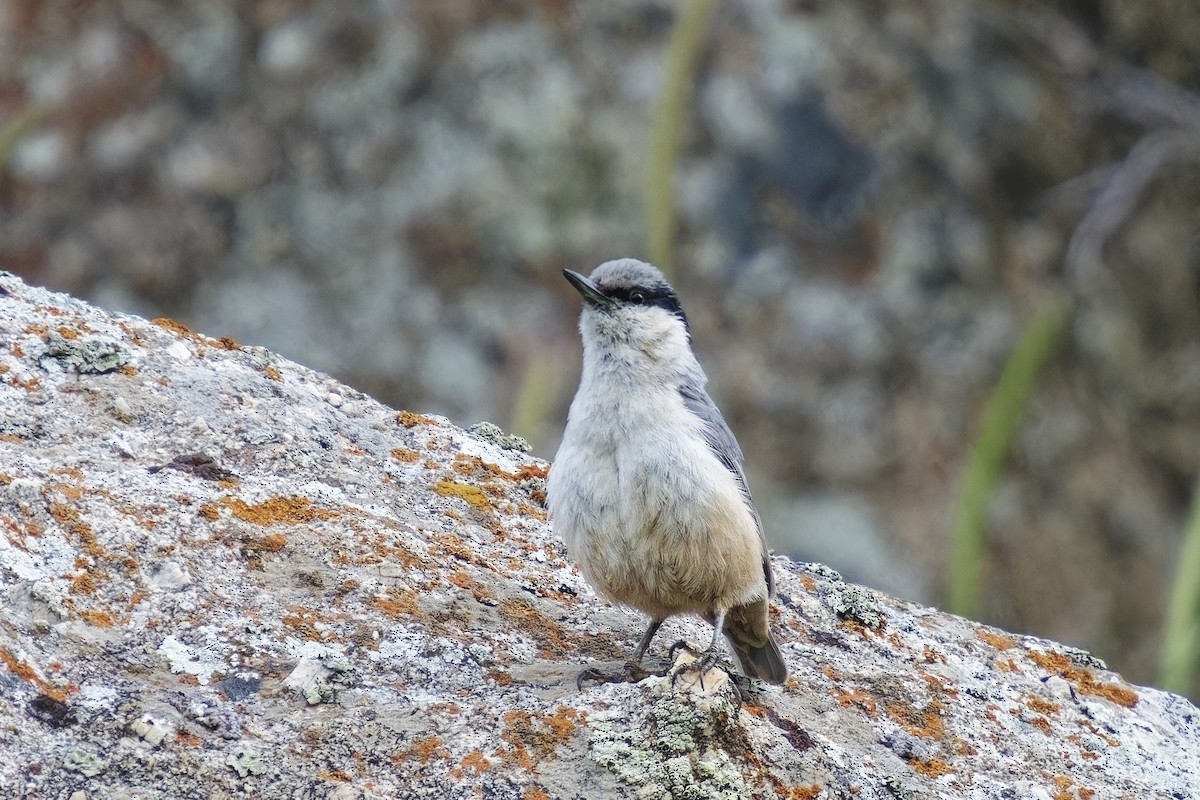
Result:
224,574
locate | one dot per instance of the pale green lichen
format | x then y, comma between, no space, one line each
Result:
857,604
93,355
491,432
85,763
677,755
246,760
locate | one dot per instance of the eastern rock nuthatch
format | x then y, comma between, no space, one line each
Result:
647,489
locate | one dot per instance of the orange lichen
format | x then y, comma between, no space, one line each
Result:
209,512
1043,706
1082,679
185,739
1063,784
228,343
83,583
533,793
304,622
934,768
408,419
472,494
21,669
476,761
857,698
429,747
545,631
335,775
277,510
271,543
462,580
454,546
399,604
926,722
405,455
272,373
177,328
931,656
101,619
811,792
996,640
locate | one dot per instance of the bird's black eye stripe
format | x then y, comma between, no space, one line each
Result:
641,295
659,296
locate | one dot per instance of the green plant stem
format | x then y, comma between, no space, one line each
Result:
1181,632
25,120
666,131
1001,416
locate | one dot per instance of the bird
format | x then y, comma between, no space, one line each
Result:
647,488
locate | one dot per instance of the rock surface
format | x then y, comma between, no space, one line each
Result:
225,574
874,199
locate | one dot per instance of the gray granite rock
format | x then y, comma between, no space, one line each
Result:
225,574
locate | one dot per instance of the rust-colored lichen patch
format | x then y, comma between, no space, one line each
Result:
83,583
1082,679
405,455
271,543
533,737
18,667
334,775
996,640
476,761
272,373
810,792
399,604
209,512
472,494
545,631
303,621
1042,706
428,748
926,722
933,768
186,739
101,619
277,510
177,328
409,419
227,343
857,698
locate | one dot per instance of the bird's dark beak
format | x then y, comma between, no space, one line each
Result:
590,292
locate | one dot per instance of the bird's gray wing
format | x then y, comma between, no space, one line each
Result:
723,444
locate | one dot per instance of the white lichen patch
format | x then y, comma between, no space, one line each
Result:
200,661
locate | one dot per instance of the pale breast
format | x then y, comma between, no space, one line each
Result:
654,519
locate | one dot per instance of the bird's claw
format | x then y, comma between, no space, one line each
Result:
631,672
707,660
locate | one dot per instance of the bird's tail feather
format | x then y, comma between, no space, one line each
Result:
749,633
765,662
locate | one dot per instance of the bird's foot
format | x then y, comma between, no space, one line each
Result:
700,665
630,672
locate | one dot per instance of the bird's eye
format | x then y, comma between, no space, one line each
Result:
637,297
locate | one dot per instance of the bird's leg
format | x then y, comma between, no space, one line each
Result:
636,659
709,657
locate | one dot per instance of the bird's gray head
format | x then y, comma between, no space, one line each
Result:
630,302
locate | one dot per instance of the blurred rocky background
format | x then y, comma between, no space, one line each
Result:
874,199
